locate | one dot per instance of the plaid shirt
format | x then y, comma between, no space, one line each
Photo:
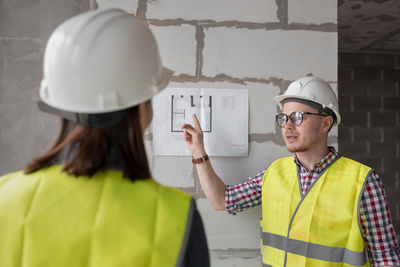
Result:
375,217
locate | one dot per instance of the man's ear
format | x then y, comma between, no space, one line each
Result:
328,123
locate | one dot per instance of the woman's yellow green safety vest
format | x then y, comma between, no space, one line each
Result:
321,228
48,218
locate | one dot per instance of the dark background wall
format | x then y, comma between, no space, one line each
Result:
369,101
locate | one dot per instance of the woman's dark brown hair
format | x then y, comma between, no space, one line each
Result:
89,148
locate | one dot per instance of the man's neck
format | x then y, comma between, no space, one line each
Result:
309,158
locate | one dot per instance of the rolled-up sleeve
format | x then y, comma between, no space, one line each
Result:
376,224
244,195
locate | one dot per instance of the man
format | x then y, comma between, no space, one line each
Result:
319,208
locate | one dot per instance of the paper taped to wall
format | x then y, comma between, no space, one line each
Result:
222,113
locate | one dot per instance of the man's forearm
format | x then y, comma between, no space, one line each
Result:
212,185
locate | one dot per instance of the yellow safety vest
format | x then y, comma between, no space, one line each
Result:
318,229
48,218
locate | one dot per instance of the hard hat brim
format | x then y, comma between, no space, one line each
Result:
157,87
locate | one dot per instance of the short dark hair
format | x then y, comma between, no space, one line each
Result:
89,148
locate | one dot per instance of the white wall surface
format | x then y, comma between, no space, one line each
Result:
258,45
222,10
24,29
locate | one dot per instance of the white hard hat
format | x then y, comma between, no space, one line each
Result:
312,89
100,62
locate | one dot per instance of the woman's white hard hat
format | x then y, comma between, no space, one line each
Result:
312,89
101,61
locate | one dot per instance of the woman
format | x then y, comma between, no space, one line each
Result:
90,200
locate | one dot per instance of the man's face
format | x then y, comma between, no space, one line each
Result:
305,136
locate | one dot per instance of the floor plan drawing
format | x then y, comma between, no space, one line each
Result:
223,114
183,106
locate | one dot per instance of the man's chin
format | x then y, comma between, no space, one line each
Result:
294,149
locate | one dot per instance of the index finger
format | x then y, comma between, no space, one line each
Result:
196,122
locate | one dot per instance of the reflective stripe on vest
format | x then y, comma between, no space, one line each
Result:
315,251
49,218
320,228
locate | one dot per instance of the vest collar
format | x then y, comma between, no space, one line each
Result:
321,165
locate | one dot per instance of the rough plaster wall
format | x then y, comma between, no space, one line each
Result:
24,29
259,45
369,25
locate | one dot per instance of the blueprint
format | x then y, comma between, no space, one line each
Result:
222,113
183,106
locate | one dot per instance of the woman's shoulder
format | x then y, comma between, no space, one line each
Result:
169,190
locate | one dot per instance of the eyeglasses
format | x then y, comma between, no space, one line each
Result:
296,118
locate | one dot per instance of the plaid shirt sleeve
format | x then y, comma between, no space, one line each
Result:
377,225
244,195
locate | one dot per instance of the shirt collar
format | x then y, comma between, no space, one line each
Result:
323,163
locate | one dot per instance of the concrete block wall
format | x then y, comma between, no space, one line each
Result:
369,100
258,45
25,27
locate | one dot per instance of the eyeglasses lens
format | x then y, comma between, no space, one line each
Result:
295,118
298,118
281,119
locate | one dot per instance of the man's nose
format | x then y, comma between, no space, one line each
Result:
289,125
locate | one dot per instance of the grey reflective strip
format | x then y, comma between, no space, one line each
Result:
315,251
185,241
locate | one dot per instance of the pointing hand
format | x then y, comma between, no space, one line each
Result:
193,136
